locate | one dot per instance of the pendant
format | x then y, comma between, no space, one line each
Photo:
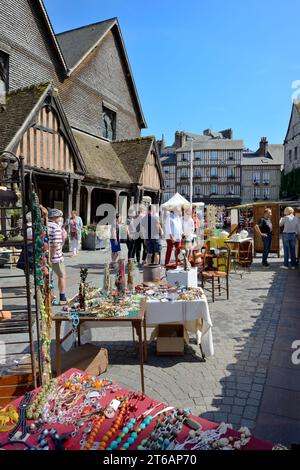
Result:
93,394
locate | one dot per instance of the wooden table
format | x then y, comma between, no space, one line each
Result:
137,322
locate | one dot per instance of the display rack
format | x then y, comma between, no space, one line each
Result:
20,344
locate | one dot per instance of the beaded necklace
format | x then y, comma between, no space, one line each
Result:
166,430
118,422
146,420
35,409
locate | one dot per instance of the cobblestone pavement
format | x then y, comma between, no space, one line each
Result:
229,385
226,387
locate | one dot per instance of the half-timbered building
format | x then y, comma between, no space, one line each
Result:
69,105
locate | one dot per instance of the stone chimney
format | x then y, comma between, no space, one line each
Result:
161,144
263,147
179,139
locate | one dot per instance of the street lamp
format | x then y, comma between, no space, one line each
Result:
190,139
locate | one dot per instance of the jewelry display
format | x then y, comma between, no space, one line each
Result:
71,411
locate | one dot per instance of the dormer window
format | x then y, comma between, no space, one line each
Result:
109,118
3,77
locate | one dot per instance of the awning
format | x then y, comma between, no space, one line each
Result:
266,203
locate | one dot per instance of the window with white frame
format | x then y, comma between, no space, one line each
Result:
230,155
197,155
184,190
184,157
213,189
214,155
213,172
183,173
197,172
266,177
230,172
197,190
256,193
231,189
256,177
266,193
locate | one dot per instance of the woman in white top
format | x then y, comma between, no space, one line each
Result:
291,229
188,231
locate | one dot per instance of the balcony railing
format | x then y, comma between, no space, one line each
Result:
213,177
266,182
183,177
231,177
256,182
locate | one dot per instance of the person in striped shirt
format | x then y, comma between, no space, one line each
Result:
56,240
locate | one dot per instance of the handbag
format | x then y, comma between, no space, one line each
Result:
21,261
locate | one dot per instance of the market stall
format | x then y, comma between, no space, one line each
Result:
162,304
82,412
25,288
250,215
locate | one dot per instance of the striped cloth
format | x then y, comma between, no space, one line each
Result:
56,238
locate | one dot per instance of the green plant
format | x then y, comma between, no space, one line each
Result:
2,237
14,213
86,229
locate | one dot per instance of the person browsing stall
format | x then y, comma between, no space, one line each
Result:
291,229
264,228
152,232
173,234
56,239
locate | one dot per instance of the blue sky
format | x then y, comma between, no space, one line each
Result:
200,64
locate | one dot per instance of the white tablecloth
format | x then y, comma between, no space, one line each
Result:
193,314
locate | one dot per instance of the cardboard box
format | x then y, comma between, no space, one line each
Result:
5,315
87,357
170,340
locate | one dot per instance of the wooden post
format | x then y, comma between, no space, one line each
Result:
88,209
78,196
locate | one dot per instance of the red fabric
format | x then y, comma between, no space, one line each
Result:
170,245
74,443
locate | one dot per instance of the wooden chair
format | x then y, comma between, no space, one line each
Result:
246,255
213,275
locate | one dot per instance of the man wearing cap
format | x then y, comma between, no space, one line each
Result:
56,243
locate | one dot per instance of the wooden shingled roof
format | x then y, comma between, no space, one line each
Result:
133,155
19,104
102,163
